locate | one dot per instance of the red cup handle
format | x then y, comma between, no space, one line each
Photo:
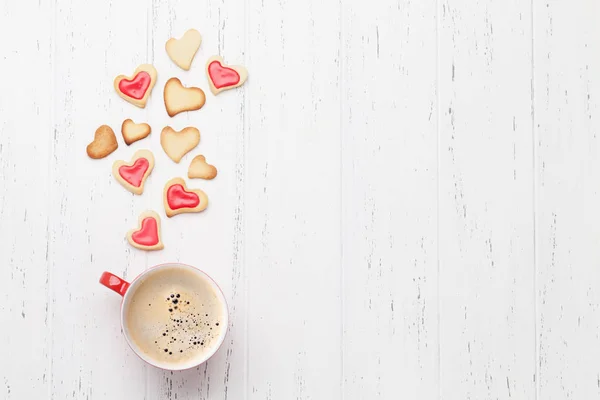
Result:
115,283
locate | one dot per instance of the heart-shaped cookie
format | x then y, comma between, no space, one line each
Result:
223,77
132,175
137,88
178,144
199,168
105,142
179,199
182,51
133,132
147,235
178,98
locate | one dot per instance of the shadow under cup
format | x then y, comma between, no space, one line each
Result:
174,316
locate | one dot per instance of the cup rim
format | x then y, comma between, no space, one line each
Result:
194,363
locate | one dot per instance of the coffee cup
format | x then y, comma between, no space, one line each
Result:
173,316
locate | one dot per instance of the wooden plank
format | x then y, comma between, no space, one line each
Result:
212,240
25,129
567,58
90,211
389,197
486,254
293,200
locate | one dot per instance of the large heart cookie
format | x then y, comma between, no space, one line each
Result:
178,144
178,98
223,77
132,175
179,199
105,142
147,235
182,51
137,88
199,168
133,132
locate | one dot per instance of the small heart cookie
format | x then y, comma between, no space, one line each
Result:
147,235
132,175
199,168
137,88
178,144
178,98
182,51
105,142
133,132
179,199
223,77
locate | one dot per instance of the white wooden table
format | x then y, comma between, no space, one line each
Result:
407,206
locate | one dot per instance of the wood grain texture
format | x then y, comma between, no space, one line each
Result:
406,204
487,326
293,200
389,197
212,240
91,212
567,58
25,151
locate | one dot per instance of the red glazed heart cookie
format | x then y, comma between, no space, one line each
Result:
132,176
137,88
223,77
147,235
179,199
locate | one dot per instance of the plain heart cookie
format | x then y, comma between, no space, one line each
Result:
105,142
179,199
178,144
133,132
133,175
147,235
137,88
182,51
178,98
199,168
224,77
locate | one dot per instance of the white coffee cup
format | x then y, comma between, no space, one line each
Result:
174,271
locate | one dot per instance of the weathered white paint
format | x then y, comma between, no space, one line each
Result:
25,157
293,201
389,197
93,43
566,89
405,206
486,235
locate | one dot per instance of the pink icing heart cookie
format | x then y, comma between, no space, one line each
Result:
179,199
137,88
132,176
224,77
147,235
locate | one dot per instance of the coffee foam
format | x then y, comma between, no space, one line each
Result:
175,317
